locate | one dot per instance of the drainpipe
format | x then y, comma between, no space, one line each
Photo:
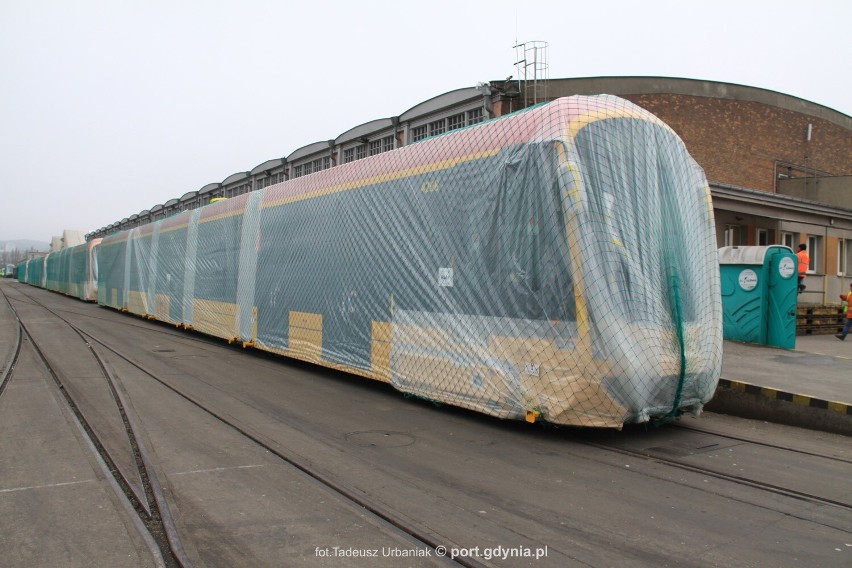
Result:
395,123
487,105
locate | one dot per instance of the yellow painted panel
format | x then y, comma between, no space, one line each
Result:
476,387
768,392
137,302
382,330
305,344
161,308
430,338
837,407
552,361
380,360
522,350
801,400
215,318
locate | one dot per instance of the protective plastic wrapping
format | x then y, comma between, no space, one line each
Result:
556,264
74,271
36,271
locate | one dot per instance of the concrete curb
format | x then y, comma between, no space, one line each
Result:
746,400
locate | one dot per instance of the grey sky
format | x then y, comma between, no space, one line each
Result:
110,107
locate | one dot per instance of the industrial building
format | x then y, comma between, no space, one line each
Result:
779,167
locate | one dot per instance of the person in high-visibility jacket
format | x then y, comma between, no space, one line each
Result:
847,297
804,265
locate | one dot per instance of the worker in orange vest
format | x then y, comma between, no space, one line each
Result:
804,265
848,299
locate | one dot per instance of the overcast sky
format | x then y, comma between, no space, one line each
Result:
110,107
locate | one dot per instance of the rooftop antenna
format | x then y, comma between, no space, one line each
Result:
533,68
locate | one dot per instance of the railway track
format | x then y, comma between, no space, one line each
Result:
9,365
606,445
800,451
639,453
147,502
656,457
159,520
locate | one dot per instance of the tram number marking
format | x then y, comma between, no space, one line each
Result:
430,186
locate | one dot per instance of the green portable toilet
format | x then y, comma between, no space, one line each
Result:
759,294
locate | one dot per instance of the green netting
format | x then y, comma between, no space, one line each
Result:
557,263
73,271
35,272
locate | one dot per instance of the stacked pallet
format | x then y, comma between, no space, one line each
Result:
819,320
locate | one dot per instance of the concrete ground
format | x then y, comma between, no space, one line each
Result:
820,366
809,386
708,491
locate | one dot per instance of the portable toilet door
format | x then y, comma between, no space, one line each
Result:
744,298
783,297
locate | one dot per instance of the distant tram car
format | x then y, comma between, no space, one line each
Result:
555,264
74,271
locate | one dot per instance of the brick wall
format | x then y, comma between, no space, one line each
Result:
739,142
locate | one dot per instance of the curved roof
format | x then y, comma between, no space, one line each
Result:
235,177
692,87
364,130
310,149
170,202
209,187
267,165
188,195
446,100
157,208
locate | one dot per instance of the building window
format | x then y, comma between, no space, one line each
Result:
842,256
474,116
375,147
437,127
789,240
732,235
846,247
361,152
387,143
762,238
456,121
297,171
348,155
419,133
814,252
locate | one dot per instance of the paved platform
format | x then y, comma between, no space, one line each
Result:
809,386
